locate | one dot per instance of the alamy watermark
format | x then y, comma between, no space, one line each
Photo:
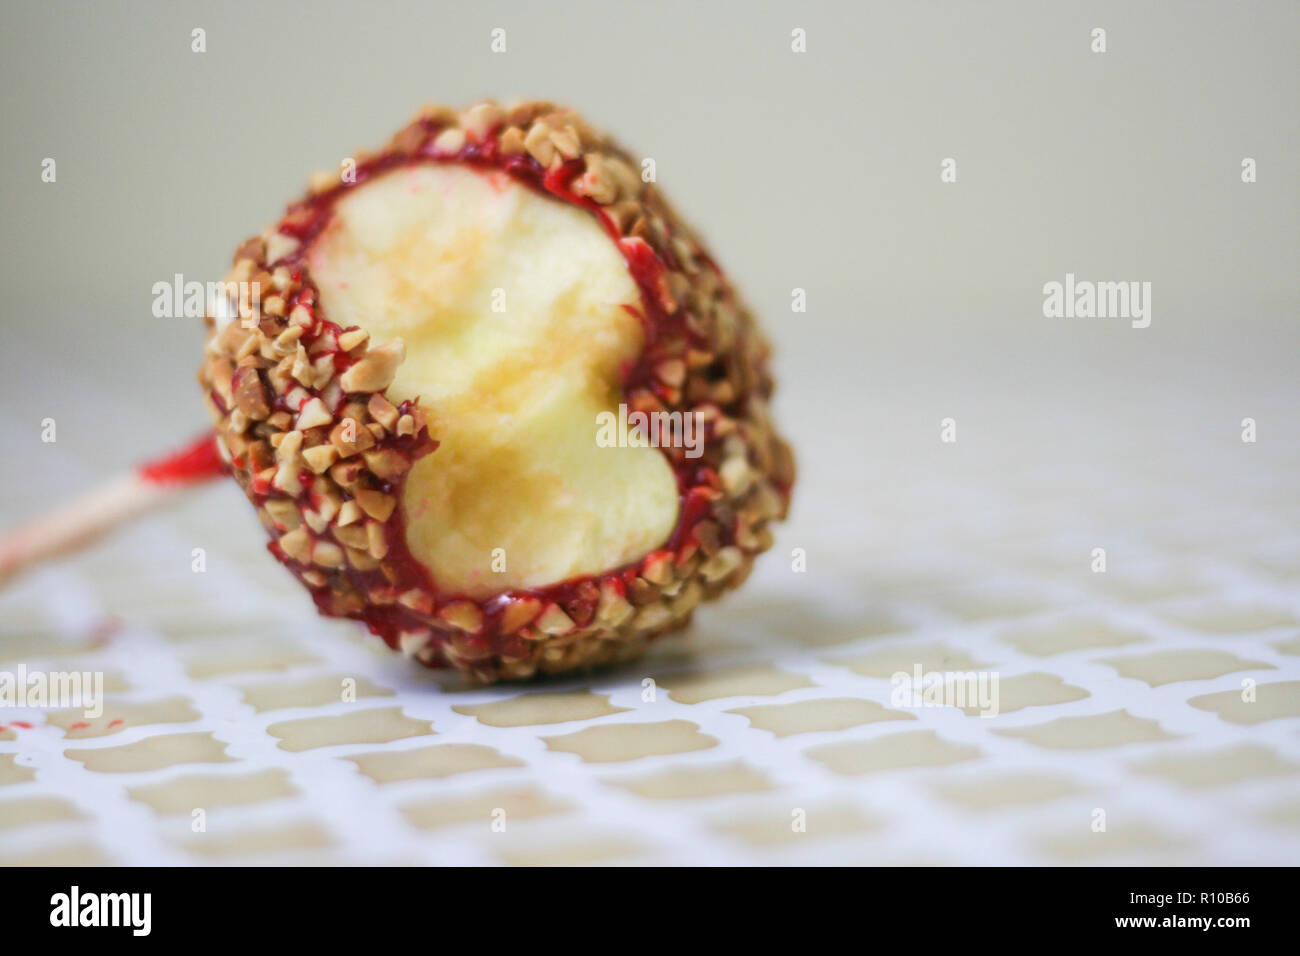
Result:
82,690
968,690
133,911
1084,299
650,430
181,299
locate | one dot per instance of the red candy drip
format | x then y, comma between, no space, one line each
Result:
196,462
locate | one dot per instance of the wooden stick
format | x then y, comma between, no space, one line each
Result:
80,522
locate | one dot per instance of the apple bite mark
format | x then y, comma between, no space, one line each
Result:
514,312
420,384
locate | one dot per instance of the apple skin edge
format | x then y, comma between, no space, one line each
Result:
305,426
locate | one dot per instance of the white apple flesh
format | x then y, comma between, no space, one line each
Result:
515,313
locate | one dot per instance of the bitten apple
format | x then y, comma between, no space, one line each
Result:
412,399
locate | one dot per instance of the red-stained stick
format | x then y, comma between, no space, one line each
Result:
78,523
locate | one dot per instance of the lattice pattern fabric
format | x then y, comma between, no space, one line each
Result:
1160,697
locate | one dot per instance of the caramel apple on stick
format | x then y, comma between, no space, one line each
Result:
490,395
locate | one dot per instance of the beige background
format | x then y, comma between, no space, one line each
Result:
818,171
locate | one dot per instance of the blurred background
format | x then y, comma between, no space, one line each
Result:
819,171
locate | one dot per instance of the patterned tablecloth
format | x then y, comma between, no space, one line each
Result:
1149,712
